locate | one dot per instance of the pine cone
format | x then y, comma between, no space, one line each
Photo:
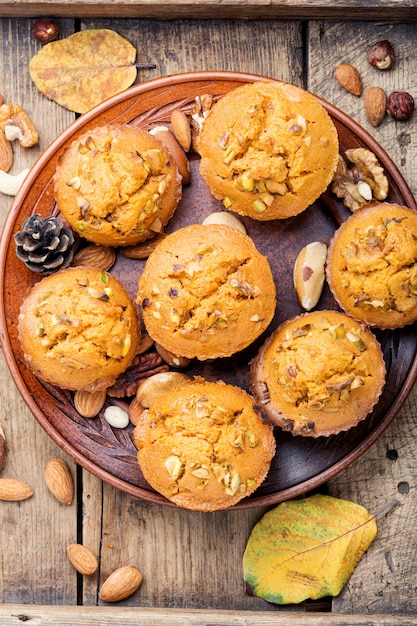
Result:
44,245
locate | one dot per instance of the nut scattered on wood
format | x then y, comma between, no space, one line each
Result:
142,250
59,480
45,30
14,115
14,490
96,256
89,404
10,184
400,105
6,153
166,137
181,128
381,55
2,449
348,77
375,101
309,274
120,584
83,559
154,386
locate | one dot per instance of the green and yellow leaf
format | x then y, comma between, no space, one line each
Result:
84,69
306,548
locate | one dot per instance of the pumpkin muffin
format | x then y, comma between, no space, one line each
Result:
206,292
203,446
117,185
78,329
372,265
319,374
268,150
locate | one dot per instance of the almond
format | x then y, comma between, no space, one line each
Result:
375,100
83,559
96,256
348,77
121,584
171,144
59,480
6,153
89,404
14,490
142,250
170,358
135,411
2,449
181,129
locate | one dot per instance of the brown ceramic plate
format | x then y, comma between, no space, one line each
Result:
300,463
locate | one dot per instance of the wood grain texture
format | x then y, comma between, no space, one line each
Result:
385,578
394,10
37,530
14,615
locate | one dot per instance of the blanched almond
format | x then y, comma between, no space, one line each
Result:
14,490
309,274
59,480
121,584
83,559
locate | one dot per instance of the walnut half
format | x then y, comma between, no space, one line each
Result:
361,182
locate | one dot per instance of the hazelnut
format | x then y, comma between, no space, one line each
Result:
400,105
45,30
381,55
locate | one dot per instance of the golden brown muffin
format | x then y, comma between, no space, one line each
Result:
268,150
117,185
319,374
206,292
203,446
78,329
372,265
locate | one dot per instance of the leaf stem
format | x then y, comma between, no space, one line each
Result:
385,509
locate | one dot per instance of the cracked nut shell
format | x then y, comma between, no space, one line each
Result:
381,55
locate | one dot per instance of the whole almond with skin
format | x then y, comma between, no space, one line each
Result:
83,559
166,137
121,584
59,480
89,404
348,77
97,256
6,153
2,449
375,100
14,490
181,129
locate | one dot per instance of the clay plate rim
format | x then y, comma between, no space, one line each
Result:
115,103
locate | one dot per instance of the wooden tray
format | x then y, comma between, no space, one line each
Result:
300,463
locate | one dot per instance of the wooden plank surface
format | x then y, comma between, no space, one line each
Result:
386,578
393,10
14,615
193,560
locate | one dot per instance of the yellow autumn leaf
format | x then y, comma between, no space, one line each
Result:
84,69
306,549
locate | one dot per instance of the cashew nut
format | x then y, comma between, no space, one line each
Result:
9,184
